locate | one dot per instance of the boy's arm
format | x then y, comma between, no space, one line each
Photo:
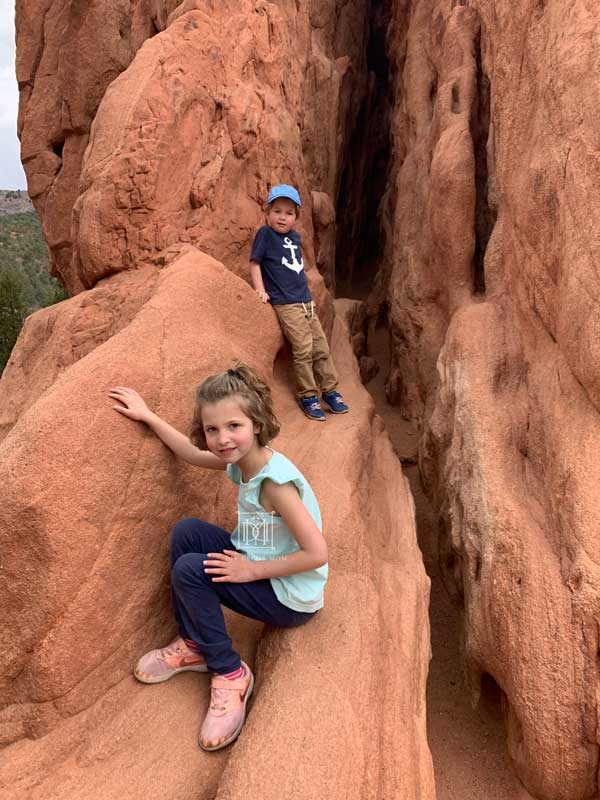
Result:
257,281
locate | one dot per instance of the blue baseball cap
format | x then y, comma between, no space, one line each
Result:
283,190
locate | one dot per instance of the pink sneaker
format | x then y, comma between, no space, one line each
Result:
160,665
227,712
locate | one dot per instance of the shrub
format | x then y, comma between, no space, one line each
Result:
12,312
25,282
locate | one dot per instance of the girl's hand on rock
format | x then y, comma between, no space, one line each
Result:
263,296
230,566
133,406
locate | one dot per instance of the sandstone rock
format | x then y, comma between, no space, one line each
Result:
56,337
173,182
99,595
368,368
147,136
67,54
325,231
495,349
226,117
73,542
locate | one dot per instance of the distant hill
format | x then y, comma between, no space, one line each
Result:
14,201
25,282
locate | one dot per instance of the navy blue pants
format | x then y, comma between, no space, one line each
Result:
197,600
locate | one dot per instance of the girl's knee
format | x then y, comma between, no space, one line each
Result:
189,567
185,526
299,618
187,537
196,536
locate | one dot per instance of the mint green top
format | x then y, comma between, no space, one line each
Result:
261,535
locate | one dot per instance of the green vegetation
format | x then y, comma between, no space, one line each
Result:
25,283
12,312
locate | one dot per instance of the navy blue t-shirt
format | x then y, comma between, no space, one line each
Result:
281,265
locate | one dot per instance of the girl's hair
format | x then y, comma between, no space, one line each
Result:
243,382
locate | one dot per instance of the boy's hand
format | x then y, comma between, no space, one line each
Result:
230,566
263,296
133,406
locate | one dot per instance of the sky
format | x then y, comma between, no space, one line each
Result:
11,171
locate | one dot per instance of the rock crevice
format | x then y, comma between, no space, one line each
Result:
485,213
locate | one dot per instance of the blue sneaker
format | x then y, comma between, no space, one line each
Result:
333,401
311,407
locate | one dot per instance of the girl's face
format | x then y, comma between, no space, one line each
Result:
230,434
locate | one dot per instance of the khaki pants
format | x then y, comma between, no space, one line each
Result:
313,364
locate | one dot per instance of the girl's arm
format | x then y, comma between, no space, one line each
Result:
134,407
284,500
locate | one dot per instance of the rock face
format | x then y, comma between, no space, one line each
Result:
55,43
493,309
149,142
479,216
99,553
183,124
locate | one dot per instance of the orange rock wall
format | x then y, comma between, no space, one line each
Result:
207,105
150,134
496,348
142,132
67,56
89,501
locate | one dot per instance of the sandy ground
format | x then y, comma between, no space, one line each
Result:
467,744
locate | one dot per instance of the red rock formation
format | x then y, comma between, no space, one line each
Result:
489,237
67,55
94,593
496,349
293,76
56,337
183,131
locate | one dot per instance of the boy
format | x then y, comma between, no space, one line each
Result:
277,273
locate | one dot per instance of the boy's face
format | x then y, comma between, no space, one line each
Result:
281,215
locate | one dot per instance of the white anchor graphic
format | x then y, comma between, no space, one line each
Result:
296,265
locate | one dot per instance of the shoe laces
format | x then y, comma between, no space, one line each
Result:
174,650
314,402
219,700
170,650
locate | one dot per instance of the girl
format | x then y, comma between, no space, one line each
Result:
272,567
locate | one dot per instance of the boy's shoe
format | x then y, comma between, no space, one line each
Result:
333,401
160,665
227,711
311,407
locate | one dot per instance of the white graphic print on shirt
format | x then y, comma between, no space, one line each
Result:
296,265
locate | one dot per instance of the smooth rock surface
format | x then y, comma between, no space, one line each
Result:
99,553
